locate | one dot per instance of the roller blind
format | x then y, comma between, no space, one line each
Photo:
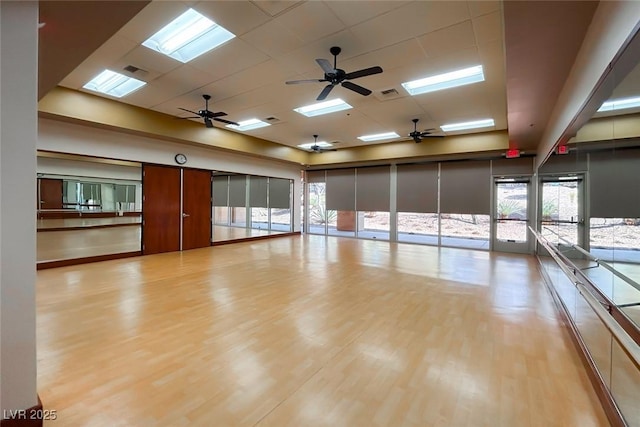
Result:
417,188
519,166
279,193
341,189
315,176
372,188
258,191
237,191
565,163
220,190
614,185
465,187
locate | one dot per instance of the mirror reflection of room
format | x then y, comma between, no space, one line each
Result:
87,207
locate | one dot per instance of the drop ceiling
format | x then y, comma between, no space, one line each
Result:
277,41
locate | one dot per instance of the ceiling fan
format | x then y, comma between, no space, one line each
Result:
417,135
336,76
208,115
315,148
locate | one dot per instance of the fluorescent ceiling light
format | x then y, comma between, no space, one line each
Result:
308,146
620,104
323,108
249,125
445,81
188,36
378,136
114,84
468,125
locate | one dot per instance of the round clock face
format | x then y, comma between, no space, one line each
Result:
181,159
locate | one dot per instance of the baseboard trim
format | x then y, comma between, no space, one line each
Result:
43,265
599,386
249,239
86,227
31,417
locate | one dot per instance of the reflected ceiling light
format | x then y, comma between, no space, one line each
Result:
620,104
468,125
114,84
325,107
322,144
188,36
378,136
249,125
445,81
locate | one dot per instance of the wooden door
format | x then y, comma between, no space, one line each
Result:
196,209
50,193
160,209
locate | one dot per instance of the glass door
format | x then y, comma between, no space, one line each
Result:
561,217
511,215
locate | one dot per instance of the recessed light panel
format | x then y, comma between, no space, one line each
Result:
378,136
249,125
323,108
620,104
468,125
188,36
445,81
308,146
114,84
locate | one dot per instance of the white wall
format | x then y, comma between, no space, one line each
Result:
18,134
77,139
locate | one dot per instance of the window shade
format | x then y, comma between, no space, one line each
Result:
220,190
315,176
258,191
614,185
237,191
417,188
372,188
279,193
465,187
519,166
565,163
341,189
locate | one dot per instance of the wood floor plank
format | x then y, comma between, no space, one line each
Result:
308,331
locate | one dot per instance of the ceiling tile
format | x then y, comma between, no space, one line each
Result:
355,12
275,7
441,42
183,80
310,21
238,17
273,39
488,28
148,60
478,8
231,57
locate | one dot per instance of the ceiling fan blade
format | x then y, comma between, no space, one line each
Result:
189,111
213,115
229,122
208,123
326,66
356,88
363,73
191,117
297,82
325,92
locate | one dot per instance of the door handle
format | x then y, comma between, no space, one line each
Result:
185,215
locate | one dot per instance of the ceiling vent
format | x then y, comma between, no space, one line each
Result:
386,94
272,120
138,72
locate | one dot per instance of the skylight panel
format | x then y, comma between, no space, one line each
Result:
322,144
114,84
188,36
445,81
249,125
468,125
620,104
378,136
325,107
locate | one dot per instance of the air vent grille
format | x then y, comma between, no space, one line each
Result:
272,120
386,94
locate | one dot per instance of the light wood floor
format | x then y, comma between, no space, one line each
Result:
222,233
308,331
